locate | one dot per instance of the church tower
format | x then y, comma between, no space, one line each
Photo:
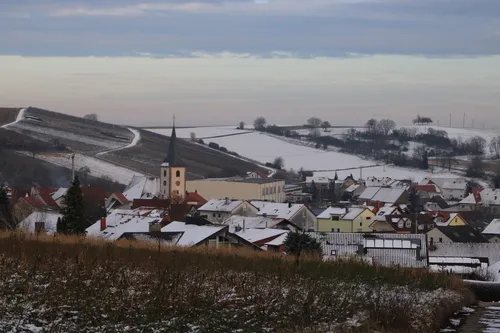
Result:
173,173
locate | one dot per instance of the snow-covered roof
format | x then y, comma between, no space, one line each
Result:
191,234
493,228
353,213
278,241
384,211
382,194
59,193
327,213
448,221
454,185
318,180
49,218
470,199
352,188
277,209
122,221
252,222
490,197
142,187
255,235
221,205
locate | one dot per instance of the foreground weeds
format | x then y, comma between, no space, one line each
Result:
68,284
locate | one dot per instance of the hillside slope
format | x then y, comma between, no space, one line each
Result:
138,150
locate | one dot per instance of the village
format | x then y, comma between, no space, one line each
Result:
440,223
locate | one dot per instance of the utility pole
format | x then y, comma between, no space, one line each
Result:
73,167
463,122
472,122
450,120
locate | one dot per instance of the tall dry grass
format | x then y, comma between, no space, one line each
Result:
71,283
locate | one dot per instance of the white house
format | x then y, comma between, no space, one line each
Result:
298,214
40,221
219,210
451,188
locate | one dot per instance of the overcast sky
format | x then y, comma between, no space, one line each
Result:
218,62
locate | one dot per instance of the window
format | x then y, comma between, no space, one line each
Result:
164,183
421,227
39,226
432,239
338,229
440,240
368,218
219,215
408,224
335,218
164,173
213,214
400,225
333,229
333,252
177,173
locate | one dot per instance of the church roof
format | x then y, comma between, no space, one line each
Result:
172,158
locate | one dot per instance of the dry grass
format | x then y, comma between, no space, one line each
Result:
69,283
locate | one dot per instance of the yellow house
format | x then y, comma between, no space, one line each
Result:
455,220
346,220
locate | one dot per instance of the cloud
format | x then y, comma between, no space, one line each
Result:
312,28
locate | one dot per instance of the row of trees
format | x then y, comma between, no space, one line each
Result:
382,127
260,123
422,120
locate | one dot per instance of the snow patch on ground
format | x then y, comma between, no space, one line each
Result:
98,168
264,148
20,116
133,143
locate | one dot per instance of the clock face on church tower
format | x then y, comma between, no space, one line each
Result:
177,183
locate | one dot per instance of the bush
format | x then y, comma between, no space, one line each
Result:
213,145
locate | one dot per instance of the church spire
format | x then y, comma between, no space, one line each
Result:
172,159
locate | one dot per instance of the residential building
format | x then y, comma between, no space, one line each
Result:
457,234
354,219
353,192
257,174
239,188
445,219
377,248
40,222
260,237
219,210
238,222
492,231
39,200
380,196
117,200
298,214
452,189
294,194
404,224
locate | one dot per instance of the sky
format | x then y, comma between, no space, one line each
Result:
216,62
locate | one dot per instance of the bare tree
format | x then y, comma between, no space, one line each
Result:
242,125
326,125
386,126
314,133
91,116
259,123
192,135
371,125
314,122
495,147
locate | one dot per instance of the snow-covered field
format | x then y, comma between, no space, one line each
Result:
265,148
99,168
201,132
133,143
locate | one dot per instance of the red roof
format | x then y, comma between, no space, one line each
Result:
195,197
121,197
261,174
35,202
45,194
94,194
427,188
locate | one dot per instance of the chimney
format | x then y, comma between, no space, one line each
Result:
243,224
227,200
289,204
103,224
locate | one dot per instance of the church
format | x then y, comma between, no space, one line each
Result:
173,173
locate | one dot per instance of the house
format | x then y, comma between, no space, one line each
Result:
260,237
58,195
353,192
277,244
195,235
492,231
458,234
142,187
38,200
116,200
298,214
349,219
194,199
239,188
386,182
40,222
451,188
403,224
257,174
377,248
445,219
219,210
383,195
238,222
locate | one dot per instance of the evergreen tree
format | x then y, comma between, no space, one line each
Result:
425,160
333,194
496,181
6,218
313,190
468,190
61,228
414,200
297,243
336,176
73,220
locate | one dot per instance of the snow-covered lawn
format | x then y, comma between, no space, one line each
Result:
98,168
265,148
201,132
